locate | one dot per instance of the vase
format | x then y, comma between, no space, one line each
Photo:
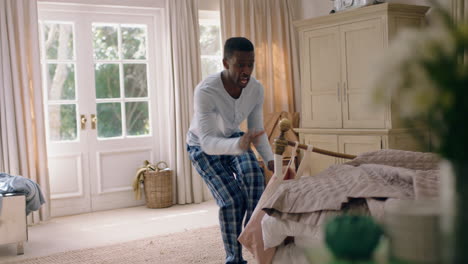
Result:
454,217
413,231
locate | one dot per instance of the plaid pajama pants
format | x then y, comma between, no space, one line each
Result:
236,182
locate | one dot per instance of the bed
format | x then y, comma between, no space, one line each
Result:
298,208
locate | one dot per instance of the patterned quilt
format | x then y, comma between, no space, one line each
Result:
363,184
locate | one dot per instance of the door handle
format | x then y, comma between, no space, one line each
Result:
338,90
93,121
83,121
345,90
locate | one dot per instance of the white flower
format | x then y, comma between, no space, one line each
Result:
402,76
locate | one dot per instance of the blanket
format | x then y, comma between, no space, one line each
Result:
18,184
375,175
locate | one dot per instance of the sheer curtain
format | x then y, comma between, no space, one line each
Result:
22,138
268,24
184,34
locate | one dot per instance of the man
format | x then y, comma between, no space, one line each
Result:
220,151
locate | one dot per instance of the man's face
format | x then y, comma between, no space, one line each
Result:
239,67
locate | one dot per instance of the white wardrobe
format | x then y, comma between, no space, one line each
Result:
337,59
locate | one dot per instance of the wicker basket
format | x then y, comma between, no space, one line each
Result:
158,187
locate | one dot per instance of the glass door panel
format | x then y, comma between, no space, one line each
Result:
137,118
110,120
121,81
59,61
107,80
58,40
105,42
134,42
135,80
62,122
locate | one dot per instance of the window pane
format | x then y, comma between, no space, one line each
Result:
135,80
210,40
109,119
107,80
58,41
62,122
137,118
61,81
210,65
105,40
134,42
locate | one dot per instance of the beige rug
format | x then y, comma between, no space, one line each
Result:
194,246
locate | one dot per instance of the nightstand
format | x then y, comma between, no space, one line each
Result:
13,226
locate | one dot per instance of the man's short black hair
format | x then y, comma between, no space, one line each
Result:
236,44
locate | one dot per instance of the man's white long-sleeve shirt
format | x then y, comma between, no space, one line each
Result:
218,115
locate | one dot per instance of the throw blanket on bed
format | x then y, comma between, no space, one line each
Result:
19,184
381,174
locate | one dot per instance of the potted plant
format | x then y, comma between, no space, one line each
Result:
428,70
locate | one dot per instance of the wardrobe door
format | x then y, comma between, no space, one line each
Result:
361,43
320,78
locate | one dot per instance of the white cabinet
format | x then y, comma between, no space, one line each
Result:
333,80
352,141
319,162
345,143
337,59
352,144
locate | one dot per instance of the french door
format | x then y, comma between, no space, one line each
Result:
99,94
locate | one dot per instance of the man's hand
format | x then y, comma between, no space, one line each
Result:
271,165
249,137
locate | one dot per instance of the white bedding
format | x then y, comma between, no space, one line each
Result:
299,208
276,230
289,254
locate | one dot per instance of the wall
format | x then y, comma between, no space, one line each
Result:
131,3
202,4
208,5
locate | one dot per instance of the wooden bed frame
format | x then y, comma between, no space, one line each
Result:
281,142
